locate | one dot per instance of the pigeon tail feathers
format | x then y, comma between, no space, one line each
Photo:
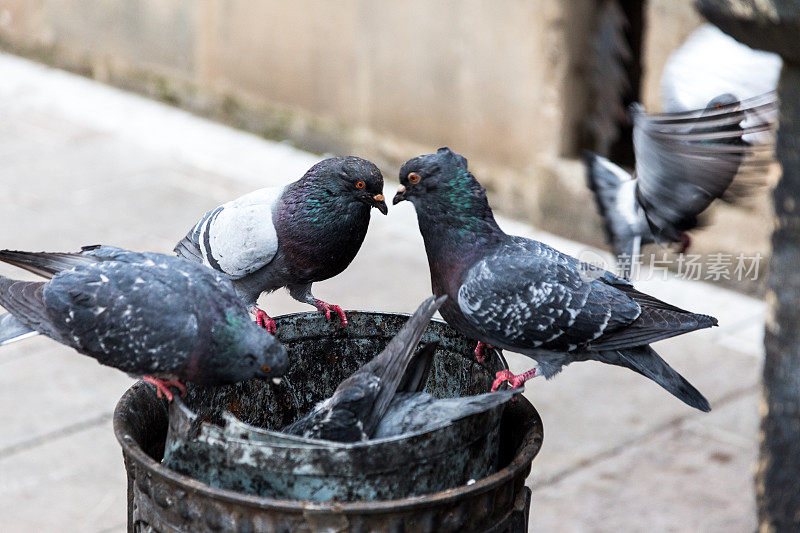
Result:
645,361
12,330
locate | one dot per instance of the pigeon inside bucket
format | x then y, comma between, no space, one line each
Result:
224,436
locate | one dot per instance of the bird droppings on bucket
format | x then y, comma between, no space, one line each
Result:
226,436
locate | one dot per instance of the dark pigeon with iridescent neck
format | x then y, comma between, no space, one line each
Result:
291,236
151,315
522,295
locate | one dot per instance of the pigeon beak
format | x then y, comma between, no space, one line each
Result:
380,205
400,196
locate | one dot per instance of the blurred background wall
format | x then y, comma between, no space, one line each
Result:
502,81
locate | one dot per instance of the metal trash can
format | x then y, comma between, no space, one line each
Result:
160,499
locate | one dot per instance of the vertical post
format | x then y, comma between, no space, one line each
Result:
775,25
778,476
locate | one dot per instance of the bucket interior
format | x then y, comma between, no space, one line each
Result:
322,354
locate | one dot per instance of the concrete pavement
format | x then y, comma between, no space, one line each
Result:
83,163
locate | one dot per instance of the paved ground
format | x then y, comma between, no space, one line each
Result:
83,163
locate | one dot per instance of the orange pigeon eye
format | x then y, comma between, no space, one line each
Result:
360,185
413,177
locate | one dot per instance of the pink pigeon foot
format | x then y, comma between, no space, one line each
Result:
479,351
686,242
263,320
162,386
327,308
514,380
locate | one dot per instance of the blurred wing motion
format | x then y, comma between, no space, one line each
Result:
684,161
615,195
353,411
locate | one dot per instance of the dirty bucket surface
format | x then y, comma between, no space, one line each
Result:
160,494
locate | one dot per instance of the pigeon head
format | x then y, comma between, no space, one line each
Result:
441,185
350,177
723,101
245,350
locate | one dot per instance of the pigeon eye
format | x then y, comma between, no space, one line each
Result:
266,369
413,177
719,106
360,185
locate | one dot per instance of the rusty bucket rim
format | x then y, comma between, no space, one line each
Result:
531,444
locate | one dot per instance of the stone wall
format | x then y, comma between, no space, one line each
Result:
502,81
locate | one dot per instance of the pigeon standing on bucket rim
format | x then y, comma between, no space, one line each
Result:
156,317
291,236
522,295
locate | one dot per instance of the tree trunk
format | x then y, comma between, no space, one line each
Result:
778,476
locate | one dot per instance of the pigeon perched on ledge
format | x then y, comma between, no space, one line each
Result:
150,315
684,161
522,295
291,236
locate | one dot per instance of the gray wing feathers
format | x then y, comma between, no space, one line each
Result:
415,412
25,300
528,300
615,195
12,330
391,363
684,161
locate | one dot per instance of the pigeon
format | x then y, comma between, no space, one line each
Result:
150,315
420,412
359,402
291,236
414,411
522,295
711,62
684,161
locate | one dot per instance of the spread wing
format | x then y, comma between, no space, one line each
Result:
236,238
684,161
615,196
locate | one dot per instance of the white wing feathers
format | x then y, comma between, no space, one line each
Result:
239,237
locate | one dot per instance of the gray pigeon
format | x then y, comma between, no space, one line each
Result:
356,407
684,161
414,411
291,236
522,295
150,315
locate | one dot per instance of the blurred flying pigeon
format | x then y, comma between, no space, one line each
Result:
684,161
291,236
360,401
150,315
522,295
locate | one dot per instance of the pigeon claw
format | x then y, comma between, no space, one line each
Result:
263,320
327,308
514,380
480,349
162,387
686,242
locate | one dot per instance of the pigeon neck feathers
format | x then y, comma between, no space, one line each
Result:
314,221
